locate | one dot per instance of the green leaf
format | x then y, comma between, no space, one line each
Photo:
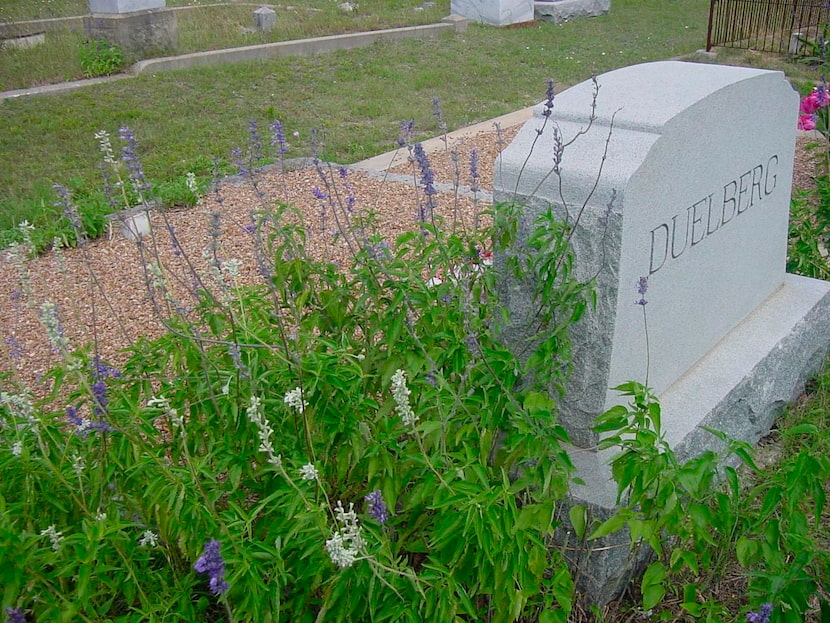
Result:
536,516
536,402
743,454
690,604
610,525
686,557
652,585
801,429
613,419
234,475
700,514
578,516
556,616
746,550
732,478
654,414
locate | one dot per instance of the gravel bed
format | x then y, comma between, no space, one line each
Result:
100,288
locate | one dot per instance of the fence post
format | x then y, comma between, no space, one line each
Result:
709,30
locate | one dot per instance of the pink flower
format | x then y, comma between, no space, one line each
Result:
807,122
810,104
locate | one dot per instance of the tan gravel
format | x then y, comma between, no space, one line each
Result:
100,288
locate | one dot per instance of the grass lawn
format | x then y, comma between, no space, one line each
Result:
209,27
184,119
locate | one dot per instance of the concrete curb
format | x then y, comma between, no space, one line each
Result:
63,87
298,47
9,30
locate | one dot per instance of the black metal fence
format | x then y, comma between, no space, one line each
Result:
766,25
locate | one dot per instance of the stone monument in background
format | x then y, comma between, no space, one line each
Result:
560,11
265,18
693,194
494,12
139,27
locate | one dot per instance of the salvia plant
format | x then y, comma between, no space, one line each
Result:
351,442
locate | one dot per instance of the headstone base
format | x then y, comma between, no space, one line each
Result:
139,34
124,6
560,11
494,12
739,388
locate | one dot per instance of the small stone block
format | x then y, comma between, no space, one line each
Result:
265,18
124,6
704,54
460,23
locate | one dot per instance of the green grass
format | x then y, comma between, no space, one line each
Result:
184,119
798,72
57,60
213,27
217,27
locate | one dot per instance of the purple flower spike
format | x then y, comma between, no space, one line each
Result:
642,287
100,400
254,140
129,156
406,130
100,373
72,416
549,94
474,176
236,155
762,616
211,562
427,176
15,615
101,370
278,138
438,113
15,349
377,507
